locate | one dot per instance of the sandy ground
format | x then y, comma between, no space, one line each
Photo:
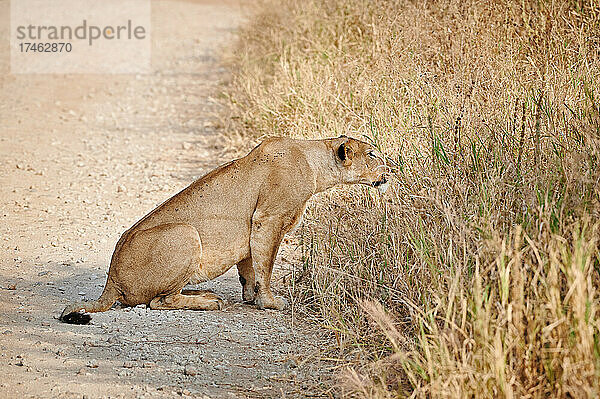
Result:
81,159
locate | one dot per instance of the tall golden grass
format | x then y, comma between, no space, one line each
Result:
477,274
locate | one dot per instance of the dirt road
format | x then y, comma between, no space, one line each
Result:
82,157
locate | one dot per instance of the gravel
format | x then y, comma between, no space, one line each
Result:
83,158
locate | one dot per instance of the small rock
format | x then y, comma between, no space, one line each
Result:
128,365
190,370
121,188
93,364
186,146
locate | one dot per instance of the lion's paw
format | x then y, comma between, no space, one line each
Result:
219,304
272,302
248,294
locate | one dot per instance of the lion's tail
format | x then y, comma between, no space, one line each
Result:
72,313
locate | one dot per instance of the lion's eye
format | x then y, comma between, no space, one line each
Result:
371,154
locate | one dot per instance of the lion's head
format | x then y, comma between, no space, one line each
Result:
360,162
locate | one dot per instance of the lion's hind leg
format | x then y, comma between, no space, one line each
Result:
205,293
198,300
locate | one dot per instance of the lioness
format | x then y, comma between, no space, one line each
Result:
236,214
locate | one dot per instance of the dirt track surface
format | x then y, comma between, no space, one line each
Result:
81,159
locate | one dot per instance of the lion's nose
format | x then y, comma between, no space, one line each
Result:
379,182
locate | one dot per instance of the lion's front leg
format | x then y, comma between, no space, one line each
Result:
264,243
247,279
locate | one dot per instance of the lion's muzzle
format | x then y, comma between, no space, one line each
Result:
381,184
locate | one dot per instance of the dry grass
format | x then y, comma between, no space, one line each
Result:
485,254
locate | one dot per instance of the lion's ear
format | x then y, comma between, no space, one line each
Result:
345,153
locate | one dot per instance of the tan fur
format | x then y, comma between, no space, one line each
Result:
236,214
